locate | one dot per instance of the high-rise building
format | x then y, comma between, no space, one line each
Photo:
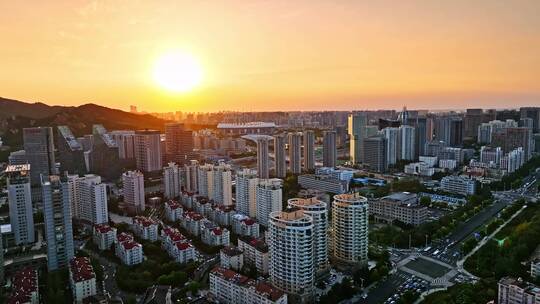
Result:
215,182
20,203
246,192
329,149
484,133
490,156
456,132
148,150
350,228
318,211
526,122
375,153
70,151
192,176
513,137
295,155
280,156
393,148
179,143
57,218
133,187
263,160
125,140
517,291
472,120
407,140
269,198
172,180
291,268
88,198
534,114
39,149
309,150
17,158
356,130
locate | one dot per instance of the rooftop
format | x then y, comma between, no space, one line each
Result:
81,269
231,251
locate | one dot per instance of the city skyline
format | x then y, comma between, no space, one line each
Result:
363,56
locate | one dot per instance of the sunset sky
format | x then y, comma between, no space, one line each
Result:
274,55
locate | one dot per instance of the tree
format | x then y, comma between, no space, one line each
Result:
425,201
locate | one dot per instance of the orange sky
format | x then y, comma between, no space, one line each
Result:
275,55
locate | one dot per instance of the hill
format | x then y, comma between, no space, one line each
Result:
15,115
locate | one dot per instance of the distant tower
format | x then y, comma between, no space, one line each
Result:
263,167
295,164
148,150
39,149
329,149
309,150
179,143
357,132
279,156
133,109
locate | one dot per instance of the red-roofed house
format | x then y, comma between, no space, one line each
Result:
227,286
173,210
177,245
255,253
191,221
215,236
244,225
104,236
145,228
25,287
127,250
82,279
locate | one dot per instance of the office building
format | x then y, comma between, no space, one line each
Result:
402,206
350,228
329,149
215,182
172,181
419,168
484,133
407,140
375,153
82,279
148,150
228,286
19,193
318,211
295,155
393,145
178,143
269,198
472,120
39,152
517,291
291,240
280,156
246,192
70,152
309,150
323,182
458,184
456,132
356,131
57,222
263,159
125,140
102,156
341,174
17,158
133,188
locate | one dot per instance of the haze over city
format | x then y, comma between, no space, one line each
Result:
273,55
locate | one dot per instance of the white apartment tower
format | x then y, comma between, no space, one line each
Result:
309,150
246,192
215,182
295,155
133,184
20,203
269,198
319,213
291,252
148,150
393,149
172,181
88,198
350,228
407,138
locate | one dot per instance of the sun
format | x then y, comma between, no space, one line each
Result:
178,72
